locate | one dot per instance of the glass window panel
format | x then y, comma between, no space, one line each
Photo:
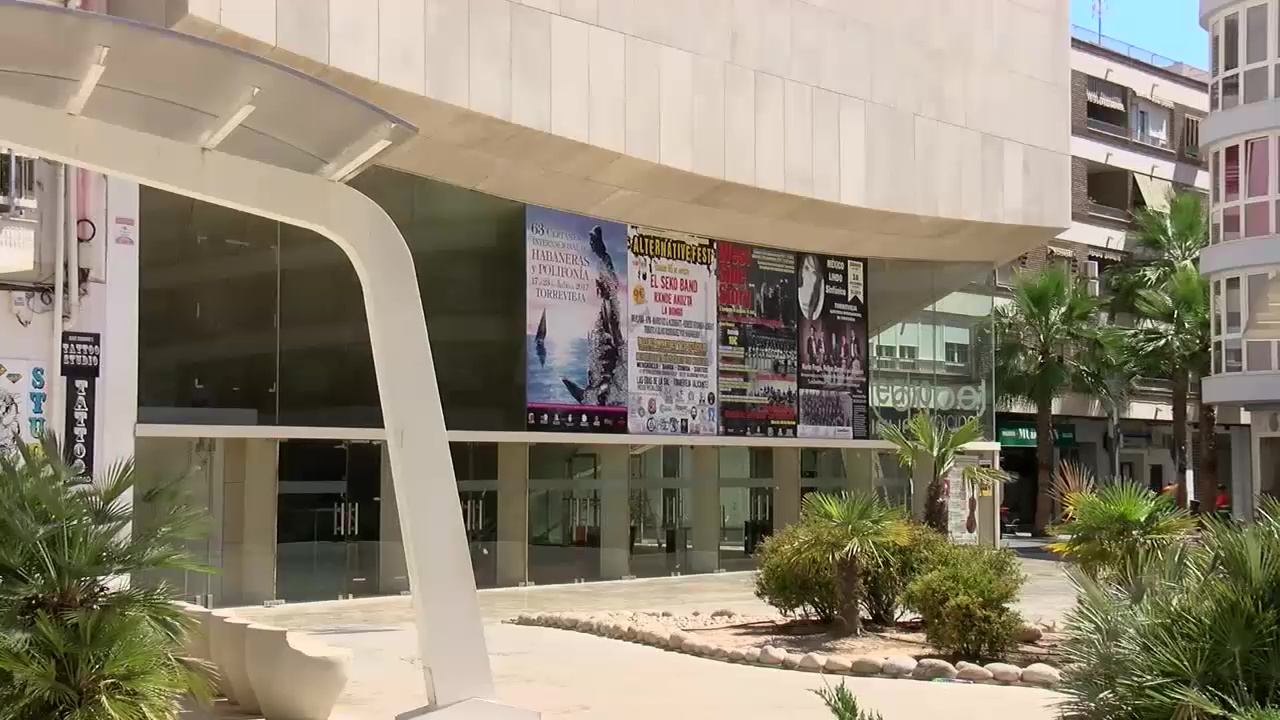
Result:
1231,174
1215,175
1256,85
1213,96
1215,48
1257,219
1217,358
1258,167
1258,355
1231,224
1230,91
1232,294
1233,355
1256,34
1217,308
1231,42
1258,303
1215,228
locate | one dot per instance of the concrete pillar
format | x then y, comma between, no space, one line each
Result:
615,511
921,476
858,471
1244,483
249,521
706,509
786,491
393,570
513,513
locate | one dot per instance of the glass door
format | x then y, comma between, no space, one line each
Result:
327,520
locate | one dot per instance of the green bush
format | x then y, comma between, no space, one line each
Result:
1186,631
888,579
794,588
965,601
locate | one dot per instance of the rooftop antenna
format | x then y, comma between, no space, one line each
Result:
1099,7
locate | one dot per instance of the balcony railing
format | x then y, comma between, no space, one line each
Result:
1119,46
1108,128
1110,212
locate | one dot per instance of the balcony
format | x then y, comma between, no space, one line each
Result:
1109,212
1103,126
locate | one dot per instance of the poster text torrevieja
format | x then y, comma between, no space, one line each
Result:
831,296
575,328
758,360
672,339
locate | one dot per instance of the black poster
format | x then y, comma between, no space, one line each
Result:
758,361
831,295
81,356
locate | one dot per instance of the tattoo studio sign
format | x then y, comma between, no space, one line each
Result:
81,356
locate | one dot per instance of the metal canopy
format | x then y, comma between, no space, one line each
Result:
188,89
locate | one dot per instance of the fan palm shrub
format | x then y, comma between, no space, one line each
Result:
77,641
850,532
924,439
843,705
1105,527
1188,631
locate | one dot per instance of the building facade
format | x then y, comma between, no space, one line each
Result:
1240,139
724,158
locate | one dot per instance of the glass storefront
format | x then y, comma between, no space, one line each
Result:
245,321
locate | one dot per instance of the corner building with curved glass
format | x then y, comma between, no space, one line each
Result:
1242,262
678,261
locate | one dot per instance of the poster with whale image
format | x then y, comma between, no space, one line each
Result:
575,329
672,334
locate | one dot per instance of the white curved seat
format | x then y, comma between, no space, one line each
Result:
227,644
294,677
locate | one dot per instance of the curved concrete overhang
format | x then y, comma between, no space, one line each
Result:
1247,389
187,89
1240,255
470,149
1240,122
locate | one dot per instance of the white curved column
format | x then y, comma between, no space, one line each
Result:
451,639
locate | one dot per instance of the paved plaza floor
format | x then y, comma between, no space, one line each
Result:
572,675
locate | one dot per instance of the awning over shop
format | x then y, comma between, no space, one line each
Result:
1155,191
1106,94
1060,252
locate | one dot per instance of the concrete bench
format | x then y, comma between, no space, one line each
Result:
294,677
227,648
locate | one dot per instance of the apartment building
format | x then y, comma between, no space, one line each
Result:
1136,121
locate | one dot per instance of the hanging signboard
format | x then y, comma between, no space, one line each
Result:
81,355
831,295
576,359
757,353
672,334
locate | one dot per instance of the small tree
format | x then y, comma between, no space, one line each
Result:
851,532
924,439
76,640
1041,339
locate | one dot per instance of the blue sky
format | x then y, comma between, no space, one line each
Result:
1166,27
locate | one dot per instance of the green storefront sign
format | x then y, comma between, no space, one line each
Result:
1018,433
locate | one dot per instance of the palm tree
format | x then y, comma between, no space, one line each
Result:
851,532
1041,338
1172,341
925,439
1108,528
1109,372
76,641
1165,244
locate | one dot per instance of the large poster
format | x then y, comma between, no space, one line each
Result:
576,360
672,334
23,411
758,360
831,294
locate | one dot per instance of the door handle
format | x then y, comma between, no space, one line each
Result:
355,519
337,519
